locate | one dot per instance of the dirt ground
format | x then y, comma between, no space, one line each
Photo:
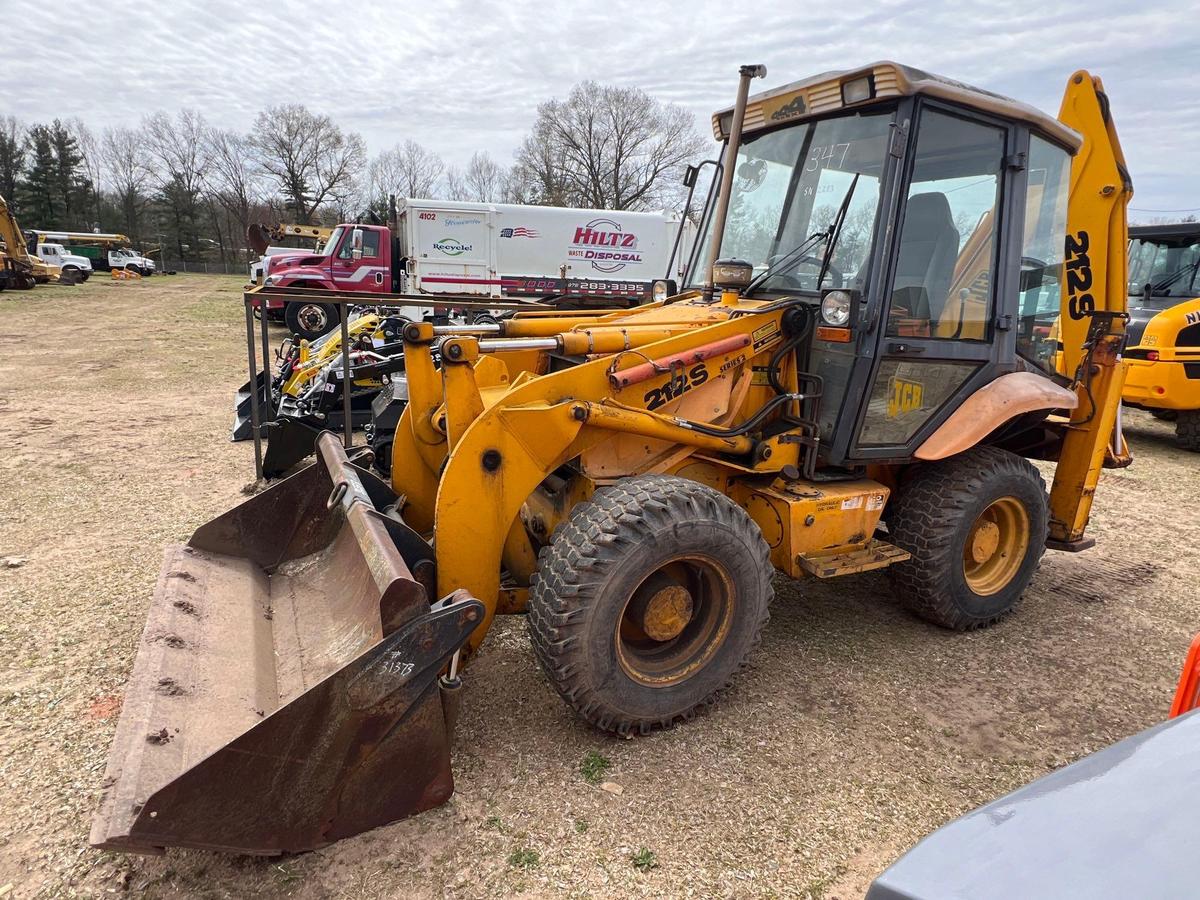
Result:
857,730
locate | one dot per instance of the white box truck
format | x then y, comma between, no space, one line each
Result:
503,249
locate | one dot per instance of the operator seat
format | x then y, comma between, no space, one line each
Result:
928,252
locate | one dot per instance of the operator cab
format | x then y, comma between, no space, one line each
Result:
1164,270
920,221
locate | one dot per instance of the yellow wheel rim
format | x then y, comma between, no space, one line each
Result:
675,622
995,546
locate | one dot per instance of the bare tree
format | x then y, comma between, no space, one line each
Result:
180,148
456,185
231,178
609,147
484,178
308,157
124,153
407,170
89,149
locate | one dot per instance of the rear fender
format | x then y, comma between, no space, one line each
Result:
990,407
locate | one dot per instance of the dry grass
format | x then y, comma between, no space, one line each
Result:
856,731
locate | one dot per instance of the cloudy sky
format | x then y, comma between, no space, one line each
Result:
462,76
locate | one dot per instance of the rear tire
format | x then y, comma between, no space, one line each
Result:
1166,415
975,525
311,320
1187,429
648,601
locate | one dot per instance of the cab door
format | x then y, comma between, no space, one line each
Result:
941,335
363,271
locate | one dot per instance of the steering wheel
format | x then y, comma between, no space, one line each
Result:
794,280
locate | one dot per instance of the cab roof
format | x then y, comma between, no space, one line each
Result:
822,94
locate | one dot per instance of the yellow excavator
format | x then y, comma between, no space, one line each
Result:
849,384
20,269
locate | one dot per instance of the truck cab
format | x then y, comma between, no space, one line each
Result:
355,258
73,265
126,258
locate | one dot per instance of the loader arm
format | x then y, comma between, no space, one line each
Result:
22,262
1093,306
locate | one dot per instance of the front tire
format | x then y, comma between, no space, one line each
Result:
1187,429
310,320
975,525
648,601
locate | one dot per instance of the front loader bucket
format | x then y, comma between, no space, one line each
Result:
286,691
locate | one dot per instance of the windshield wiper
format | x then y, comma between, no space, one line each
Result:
835,231
830,235
1173,277
781,261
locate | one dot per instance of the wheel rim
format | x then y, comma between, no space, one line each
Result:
312,317
996,545
675,621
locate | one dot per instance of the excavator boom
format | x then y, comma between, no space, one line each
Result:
1093,309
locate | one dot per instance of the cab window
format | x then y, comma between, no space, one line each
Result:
370,245
945,271
1047,188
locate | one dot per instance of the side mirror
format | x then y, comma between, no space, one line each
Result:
356,243
689,175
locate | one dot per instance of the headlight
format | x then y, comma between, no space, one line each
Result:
660,291
732,274
835,309
273,280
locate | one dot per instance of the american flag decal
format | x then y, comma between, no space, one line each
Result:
520,231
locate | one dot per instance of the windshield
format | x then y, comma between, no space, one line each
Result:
331,244
789,185
1169,268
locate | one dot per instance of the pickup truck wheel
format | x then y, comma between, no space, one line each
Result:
310,320
648,601
975,525
1187,429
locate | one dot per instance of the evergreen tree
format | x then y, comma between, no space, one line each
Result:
12,158
40,202
70,182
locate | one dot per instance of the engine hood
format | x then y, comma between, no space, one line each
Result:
276,265
1173,314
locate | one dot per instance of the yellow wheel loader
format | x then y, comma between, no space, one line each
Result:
849,385
1163,345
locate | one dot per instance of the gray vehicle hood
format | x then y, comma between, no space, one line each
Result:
1119,823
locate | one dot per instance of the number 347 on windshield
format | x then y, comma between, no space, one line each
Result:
829,155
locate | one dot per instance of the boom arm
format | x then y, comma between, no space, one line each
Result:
10,233
260,236
1094,300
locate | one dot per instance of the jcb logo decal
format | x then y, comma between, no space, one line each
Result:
904,397
1080,303
679,385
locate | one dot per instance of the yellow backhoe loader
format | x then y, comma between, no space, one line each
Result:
847,386
20,269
